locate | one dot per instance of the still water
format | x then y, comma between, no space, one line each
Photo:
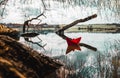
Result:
86,60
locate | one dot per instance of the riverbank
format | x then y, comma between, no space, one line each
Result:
91,28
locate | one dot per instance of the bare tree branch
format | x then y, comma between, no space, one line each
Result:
26,23
4,2
60,32
78,21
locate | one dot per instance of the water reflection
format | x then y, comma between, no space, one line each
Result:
86,63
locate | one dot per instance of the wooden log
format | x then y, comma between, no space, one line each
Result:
4,30
24,61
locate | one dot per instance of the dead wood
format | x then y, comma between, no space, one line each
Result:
60,32
20,59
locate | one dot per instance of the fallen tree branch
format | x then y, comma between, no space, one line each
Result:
26,27
60,32
26,23
78,21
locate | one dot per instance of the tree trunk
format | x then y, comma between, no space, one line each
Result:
18,60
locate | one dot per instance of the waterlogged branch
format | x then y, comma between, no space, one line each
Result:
78,21
60,32
27,36
26,23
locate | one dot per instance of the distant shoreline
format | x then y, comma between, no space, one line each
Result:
91,28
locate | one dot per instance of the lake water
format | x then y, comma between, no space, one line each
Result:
107,45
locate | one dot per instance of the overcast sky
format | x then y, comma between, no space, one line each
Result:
17,12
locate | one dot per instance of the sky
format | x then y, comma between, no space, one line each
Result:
17,12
